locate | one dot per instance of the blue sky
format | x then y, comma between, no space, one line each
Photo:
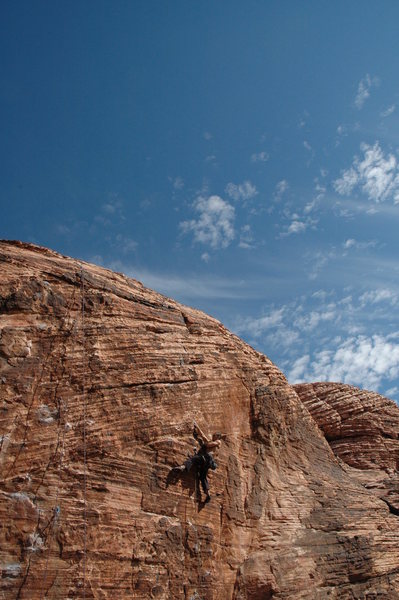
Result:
242,158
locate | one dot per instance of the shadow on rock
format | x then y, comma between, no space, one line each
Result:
189,483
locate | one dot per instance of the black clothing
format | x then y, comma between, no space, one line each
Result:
203,461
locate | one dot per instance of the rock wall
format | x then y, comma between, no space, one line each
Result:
362,429
101,380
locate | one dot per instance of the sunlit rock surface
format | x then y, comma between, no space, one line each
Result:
362,429
101,380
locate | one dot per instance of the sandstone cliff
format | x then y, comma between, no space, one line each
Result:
101,380
362,429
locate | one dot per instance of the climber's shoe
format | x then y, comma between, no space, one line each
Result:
179,469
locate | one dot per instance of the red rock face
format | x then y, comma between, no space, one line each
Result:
97,405
362,429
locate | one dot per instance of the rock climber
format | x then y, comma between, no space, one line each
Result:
202,460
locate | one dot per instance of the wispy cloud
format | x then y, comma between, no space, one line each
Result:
296,227
260,157
256,327
311,152
391,392
388,111
351,244
379,296
215,223
319,194
242,191
246,237
299,221
280,189
342,132
303,120
189,288
110,210
123,243
376,175
298,224
348,260
327,336
363,90
318,261
178,183
359,360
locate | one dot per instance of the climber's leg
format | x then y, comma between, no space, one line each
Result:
205,486
188,463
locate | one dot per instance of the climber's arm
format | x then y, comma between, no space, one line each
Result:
212,444
201,434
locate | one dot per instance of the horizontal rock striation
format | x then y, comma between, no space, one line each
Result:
100,382
362,429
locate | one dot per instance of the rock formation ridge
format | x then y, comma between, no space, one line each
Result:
100,382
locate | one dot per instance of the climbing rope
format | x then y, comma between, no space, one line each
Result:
53,522
54,519
84,432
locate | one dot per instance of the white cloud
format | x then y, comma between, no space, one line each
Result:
109,208
243,191
246,237
320,193
207,135
356,245
391,392
312,319
205,257
349,243
342,132
178,183
124,244
347,182
280,189
388,111
288,321
376,296
215,224
359,360
187,287
303,120
296,227
113,206
258,326
307,145
329,336
63,229
363,90
376,174
299,367
260,157
318,261
111,214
